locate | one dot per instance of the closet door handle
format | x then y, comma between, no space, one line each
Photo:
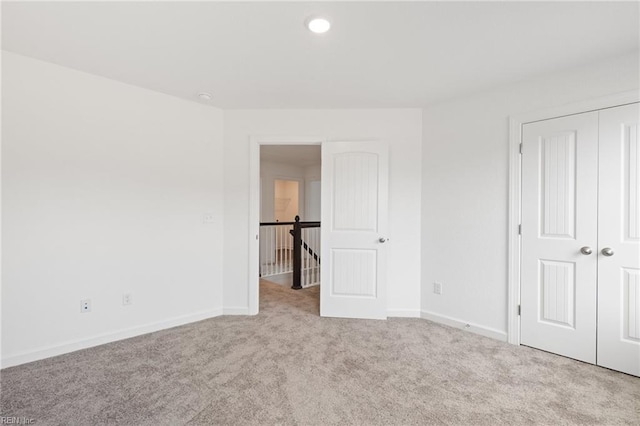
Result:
607,251
586,250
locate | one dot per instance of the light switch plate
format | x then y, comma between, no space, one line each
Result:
437,288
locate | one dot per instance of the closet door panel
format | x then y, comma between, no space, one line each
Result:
619,240
559,218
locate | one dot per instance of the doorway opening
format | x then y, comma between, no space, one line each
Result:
354,214
287,220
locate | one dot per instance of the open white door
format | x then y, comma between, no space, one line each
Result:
354,229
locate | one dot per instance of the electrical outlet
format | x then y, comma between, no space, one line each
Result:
437,288
127,299
85,305
208,218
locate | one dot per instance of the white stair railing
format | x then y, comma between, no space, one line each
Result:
310,270
276,249
290,245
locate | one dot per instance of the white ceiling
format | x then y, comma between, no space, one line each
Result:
377,54
297,155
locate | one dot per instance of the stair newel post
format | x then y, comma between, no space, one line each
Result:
297,254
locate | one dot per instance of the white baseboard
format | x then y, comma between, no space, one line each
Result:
235,311
403,313
463,325
38,354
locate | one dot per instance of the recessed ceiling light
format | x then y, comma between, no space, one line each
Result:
318,24
204,96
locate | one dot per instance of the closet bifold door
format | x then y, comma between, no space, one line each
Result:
619,240
559,235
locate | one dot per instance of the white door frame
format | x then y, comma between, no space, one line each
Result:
254,206
515,183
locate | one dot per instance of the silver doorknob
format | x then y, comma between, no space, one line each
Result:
586,250
382,239
607,251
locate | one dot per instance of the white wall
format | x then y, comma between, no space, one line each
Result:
312,191
400,128
465,189
104,187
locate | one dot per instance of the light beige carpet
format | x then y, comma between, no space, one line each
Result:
289,366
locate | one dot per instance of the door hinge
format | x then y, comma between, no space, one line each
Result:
520,229
520,148
519,309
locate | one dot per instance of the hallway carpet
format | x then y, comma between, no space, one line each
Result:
289,366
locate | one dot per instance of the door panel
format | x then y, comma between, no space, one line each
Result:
619,216
354,218
559,217
557,168
557,292
354,273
